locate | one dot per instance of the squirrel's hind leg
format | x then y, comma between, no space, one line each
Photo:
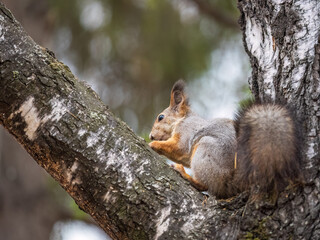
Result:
179,168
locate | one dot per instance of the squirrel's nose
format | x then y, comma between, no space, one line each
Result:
151,137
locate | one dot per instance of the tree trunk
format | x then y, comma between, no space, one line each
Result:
115,177
283,43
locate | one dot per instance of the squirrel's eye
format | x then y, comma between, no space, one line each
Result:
161,116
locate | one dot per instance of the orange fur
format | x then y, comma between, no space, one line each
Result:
194,151
170,148
194,182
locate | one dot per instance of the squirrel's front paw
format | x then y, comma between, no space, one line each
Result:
152,145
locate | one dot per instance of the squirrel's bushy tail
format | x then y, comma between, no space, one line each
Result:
268,147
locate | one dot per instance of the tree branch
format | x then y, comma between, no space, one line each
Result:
110,172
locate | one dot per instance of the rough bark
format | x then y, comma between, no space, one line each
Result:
115,177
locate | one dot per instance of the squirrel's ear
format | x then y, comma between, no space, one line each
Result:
179,100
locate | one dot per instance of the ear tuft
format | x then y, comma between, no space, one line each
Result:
179,99
179,86
178,91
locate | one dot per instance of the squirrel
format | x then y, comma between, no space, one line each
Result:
260,148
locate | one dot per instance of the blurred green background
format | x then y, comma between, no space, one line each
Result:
130,52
